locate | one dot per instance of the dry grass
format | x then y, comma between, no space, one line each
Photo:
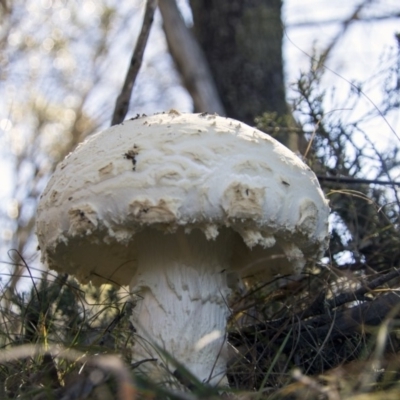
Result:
64,341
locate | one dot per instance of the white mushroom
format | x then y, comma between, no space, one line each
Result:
171,204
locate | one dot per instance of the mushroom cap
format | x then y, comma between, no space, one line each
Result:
178,171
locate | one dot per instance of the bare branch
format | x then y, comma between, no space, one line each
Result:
320,312
348,180
320,305
321,331
122,103
355,15
190,60
353,319
335,21
358,294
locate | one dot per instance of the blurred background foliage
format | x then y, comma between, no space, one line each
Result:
62,64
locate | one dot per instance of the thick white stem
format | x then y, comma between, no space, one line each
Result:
182,284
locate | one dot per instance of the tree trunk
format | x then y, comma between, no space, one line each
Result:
242,41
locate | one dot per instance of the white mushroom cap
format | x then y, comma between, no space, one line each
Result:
174,170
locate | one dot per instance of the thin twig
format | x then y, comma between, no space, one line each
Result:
122,103
347,180
355,16
337,21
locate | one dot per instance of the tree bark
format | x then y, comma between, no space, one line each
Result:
242,41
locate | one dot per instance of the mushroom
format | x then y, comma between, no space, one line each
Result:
181,207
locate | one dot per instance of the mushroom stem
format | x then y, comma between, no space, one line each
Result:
182,285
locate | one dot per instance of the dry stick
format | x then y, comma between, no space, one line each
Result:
122,103
343,325
190,60
358,294
318,309
350,320
314,330
107,363
336,21
321,305
348,180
